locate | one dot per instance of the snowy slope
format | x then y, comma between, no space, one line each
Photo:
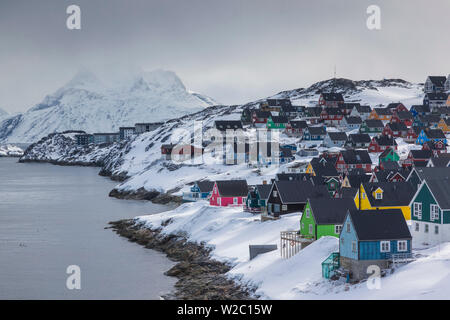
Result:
94,105
370,92
10,151
229,231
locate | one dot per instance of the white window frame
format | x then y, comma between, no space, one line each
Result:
417,228
348,227
354,246
337,228
284,207
426,228
219,202
235,200
417,210
307,212
275,194
436,229
402,245
310,229
383,247
434,212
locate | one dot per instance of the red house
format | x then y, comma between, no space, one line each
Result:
229,193
331,99
437,147
403,116
418,158
353,159
259,116
332,116
396,107
412,134
395,129
295,128
380,143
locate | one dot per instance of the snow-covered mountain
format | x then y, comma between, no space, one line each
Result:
94,105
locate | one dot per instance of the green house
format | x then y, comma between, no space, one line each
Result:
256,201
371,126
388,155
324,217
277,122
430,212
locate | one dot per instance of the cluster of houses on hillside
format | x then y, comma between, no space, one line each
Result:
379,211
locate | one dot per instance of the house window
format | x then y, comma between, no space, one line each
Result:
436,229
354,247
275,194
219,202
434,212
310,229
417,227
427,228
402,246
379,196
348,227
385,246
235,200
337,229
303,225
284,207
418,210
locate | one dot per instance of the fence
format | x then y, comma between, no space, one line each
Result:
291,243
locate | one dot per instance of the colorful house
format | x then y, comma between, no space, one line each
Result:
291,196
352,123
371,126
277,122
419,110
314,133
257,198
295,128
381,143
353,159
430,209
383,114
335,139
330,99
324,217
229,193
444,125
331,116
435,147
260,117
199,191
431,134
388,155
365,240
395,129
405,117
358,140
434,84
385,195
412,134
361,111
418,175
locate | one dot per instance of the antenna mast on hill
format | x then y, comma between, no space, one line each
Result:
334,80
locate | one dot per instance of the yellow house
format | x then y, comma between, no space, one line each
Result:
385,195
444,125
310,170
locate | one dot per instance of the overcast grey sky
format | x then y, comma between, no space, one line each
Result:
234,51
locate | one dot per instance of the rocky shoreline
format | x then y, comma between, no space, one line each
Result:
199,276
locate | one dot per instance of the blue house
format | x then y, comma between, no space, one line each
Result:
199,191
427,134
373,237
314,133
419,110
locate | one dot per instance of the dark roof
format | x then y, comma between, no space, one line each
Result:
394,105
432,173
385,140
205,185
394,193
349,105
279,119
397,126
313,111
356,156
421,154
353,120
437,96
262,114
332,96
324,169
317,130
299,191
374,123
331,211
292,176
383,111
338,136
232,188
434,133
288,108
420,108
356,180
332,111
386,174
263,190
386,152
386,224
359,137
223,125
440,188
429,118
438,81
363,109
278,102
441,160
390,165
348,193
403,115
298,124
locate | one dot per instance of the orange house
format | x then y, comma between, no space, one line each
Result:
444,125
384,114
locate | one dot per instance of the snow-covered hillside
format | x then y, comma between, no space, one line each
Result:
10,151
372,92
96,105
229,231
